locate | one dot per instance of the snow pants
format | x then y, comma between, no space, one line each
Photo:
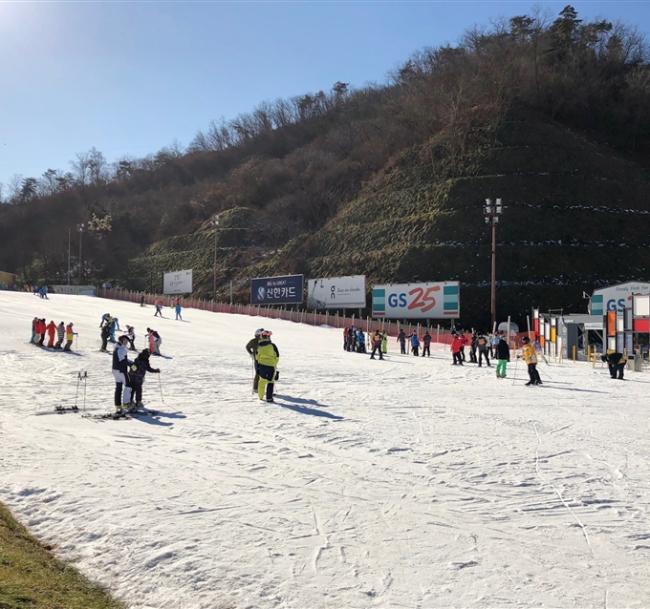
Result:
121,384
616,370
136,392
502,364
376,349
50,341
415,351
483,353
458,358
533,375
266,383
426,349
68,344
472,355
402,347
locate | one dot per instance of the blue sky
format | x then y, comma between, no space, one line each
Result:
132,77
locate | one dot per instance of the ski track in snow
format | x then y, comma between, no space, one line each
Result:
404,483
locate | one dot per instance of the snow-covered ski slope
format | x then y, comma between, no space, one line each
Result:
404,483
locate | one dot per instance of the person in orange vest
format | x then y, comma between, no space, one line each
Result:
51,333
69,336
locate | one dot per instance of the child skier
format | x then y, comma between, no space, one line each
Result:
530,357
456,347
251,349
137,371
60,335
51,332
130,334
105,334
267,358
69,336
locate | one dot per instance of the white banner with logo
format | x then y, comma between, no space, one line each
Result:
337,292
178,282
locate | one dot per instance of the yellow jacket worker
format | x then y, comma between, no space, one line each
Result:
266,357
530,357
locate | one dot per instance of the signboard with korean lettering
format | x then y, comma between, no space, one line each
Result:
431,300
178,282
287,289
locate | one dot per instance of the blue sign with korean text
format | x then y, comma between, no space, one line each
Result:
277,290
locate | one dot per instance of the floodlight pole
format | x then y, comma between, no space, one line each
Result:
215,224
492,212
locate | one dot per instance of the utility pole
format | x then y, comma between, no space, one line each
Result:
492,213
69,238
215,224
81,272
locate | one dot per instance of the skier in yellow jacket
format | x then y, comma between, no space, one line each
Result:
530,357
267,357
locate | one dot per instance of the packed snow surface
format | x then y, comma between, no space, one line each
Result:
399,483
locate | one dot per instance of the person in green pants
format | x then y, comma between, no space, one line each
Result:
503,356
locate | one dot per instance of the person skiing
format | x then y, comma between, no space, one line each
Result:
159,307
530,357
106,320
415,343
361,341
376,345
616,363
401,339
60,335
456,346
482,344
177,308
267,358
105,334
51,333
502,352
114,325
69,336
130,334
137,371
384,343
426,344
154,341
142,300
34,338
121,375
251,349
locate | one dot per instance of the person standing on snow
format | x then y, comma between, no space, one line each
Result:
401,339
530,357
482,343
251,349
456,346
105,334
616,363
376,345
137,371
502,352
415,344
60,335
267,358
121,375
154,341
177,308
384,343
159,307
51,332
361,341
426,344
130,334
40,330
69,336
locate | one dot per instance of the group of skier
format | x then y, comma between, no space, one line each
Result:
265,357
159,308
109,325
61,332
354,340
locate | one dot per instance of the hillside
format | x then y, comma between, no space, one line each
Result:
389,181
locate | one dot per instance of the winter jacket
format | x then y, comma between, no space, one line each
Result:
482,342
267,353
614,358
69,332
401,337
60,331
456,344
503,351
120,360
415,341
251,346
426,339
528,354
139,368
51,329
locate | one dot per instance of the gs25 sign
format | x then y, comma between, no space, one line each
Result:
432,300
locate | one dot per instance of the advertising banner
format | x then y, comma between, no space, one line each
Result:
178,282
431,300
616,297
287,289
337,292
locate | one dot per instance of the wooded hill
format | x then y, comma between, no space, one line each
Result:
553,117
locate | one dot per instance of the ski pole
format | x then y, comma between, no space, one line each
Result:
76,394
162,399
85,384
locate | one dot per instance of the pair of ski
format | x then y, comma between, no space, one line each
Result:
123,414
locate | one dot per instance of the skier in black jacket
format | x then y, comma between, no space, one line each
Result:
121,374
137,371
503,357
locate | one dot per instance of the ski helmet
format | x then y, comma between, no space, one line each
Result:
258,332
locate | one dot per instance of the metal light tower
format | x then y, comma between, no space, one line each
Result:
492,212
215,224
81,272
